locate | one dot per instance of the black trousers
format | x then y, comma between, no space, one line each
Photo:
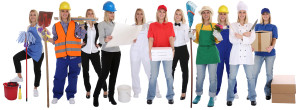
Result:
85,60
36,66
182,55
110,64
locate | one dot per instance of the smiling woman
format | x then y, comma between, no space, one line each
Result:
161,34
34,51
207,55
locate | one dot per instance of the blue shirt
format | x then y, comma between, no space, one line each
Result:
267,27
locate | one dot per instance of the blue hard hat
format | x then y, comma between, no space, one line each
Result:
109,6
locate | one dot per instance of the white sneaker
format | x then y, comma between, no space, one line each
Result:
17,79
72,101
54,100
136,95
158,95
35,93
236,96
215,98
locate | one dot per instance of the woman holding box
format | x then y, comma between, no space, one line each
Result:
267,57
161,34
241,54
181,52
139,53
207,55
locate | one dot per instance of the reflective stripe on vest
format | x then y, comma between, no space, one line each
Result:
67,44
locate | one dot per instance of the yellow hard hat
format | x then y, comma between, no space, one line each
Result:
223,9
64,6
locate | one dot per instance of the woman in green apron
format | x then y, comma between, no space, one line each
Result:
207,55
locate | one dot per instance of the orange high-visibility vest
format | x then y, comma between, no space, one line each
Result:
67,45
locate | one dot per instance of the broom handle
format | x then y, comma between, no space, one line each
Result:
47,75
191,71
26,65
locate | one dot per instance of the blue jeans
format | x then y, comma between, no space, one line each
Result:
153,79
212,70
232,81
259,60
61,72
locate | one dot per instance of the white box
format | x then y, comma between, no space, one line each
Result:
162,53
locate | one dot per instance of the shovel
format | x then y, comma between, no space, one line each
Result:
45,21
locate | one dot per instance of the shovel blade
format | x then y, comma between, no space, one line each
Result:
45,18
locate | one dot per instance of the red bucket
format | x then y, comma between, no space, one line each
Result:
11,90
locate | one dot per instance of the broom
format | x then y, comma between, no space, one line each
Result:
190,7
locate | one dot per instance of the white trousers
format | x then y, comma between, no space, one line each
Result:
138,56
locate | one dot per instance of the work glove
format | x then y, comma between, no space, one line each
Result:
218,35
191,36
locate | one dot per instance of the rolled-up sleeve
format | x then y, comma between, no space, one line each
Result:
79,32
101,33
249,40
54,33
232,37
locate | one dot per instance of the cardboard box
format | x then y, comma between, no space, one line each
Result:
161,53
262,41
283,89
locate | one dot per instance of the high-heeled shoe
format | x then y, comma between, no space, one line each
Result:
182,98
104,96
112,100
88,96
95,102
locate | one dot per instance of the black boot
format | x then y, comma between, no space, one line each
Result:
112,100
171,101
95,102
268,97
253,103
229,103
149,102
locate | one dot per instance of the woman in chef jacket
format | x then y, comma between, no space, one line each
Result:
241,54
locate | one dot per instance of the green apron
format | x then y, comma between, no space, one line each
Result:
207,52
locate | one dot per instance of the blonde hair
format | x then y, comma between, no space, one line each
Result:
226,21
166,17
69,15
210,16
245,20
106,17
262,20
182,16
93,14
36,14
144,18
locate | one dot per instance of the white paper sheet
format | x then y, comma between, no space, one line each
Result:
161,53
123,34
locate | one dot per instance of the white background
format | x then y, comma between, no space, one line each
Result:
14,18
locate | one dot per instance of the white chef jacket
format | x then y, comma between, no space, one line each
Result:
90,46
241,52
181,34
